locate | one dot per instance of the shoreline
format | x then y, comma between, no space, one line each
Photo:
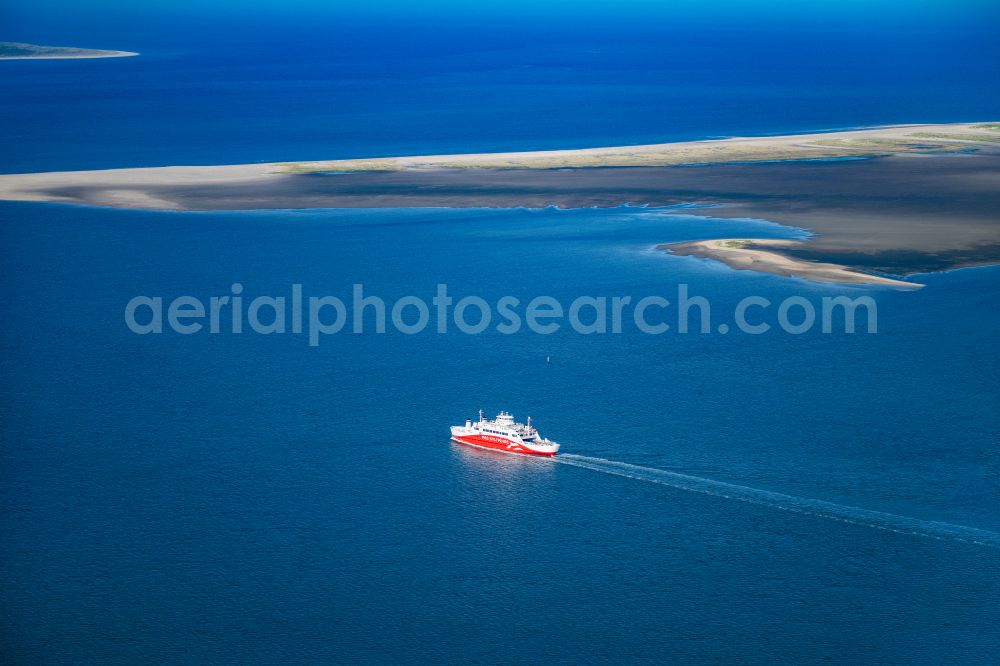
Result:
23,51
762,255
827,145
107,54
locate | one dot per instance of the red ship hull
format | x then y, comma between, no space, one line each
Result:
499,444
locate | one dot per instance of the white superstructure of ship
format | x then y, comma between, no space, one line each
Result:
504,434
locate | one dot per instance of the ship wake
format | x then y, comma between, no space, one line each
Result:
803,505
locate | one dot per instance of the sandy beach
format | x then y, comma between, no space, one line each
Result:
891,201
129,188
77,56
21,51
821,146
763,256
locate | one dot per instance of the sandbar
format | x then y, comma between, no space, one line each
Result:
764,256
22,51
881,201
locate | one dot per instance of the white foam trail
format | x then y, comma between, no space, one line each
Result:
814,507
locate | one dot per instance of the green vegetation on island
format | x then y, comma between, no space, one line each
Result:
872,142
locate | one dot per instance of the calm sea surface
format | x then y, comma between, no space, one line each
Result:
248,498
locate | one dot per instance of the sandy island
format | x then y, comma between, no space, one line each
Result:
758,254
869,142
20,51
889,200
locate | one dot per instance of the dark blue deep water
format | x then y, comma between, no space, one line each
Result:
224,90
251,499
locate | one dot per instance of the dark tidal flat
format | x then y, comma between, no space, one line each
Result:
901,214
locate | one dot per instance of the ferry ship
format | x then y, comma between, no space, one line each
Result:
503,434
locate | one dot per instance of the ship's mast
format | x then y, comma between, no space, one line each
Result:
480,416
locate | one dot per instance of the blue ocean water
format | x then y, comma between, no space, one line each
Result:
238,89
246,498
